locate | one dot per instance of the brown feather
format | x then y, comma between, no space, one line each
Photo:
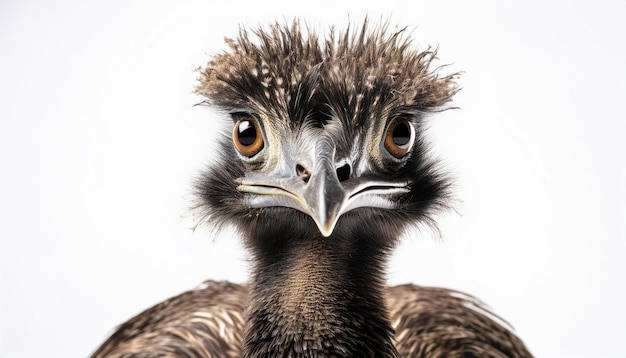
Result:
208,322
437,322
368,65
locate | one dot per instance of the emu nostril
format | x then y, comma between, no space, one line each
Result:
343,172
303,172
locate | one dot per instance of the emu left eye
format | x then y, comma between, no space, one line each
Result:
399,137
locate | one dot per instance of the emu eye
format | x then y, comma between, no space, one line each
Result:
399,137
247,135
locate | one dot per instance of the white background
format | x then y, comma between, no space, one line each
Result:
99,141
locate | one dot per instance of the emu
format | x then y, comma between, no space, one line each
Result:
326,166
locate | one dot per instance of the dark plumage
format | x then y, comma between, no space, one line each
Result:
326,168
206,322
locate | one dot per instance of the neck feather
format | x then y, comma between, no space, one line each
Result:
316,296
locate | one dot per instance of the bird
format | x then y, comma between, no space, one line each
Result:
324,166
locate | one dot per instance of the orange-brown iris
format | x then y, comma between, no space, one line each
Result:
247,136
399,137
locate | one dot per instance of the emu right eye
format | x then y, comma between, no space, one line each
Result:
247,136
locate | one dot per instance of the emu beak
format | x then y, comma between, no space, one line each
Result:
323,197
319,192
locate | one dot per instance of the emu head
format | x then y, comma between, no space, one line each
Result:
327,133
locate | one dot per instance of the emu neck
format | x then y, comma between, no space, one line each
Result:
315,296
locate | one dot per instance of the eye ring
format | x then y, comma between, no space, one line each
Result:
399,137
247,135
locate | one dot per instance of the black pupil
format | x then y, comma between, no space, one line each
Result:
247,133
401,134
